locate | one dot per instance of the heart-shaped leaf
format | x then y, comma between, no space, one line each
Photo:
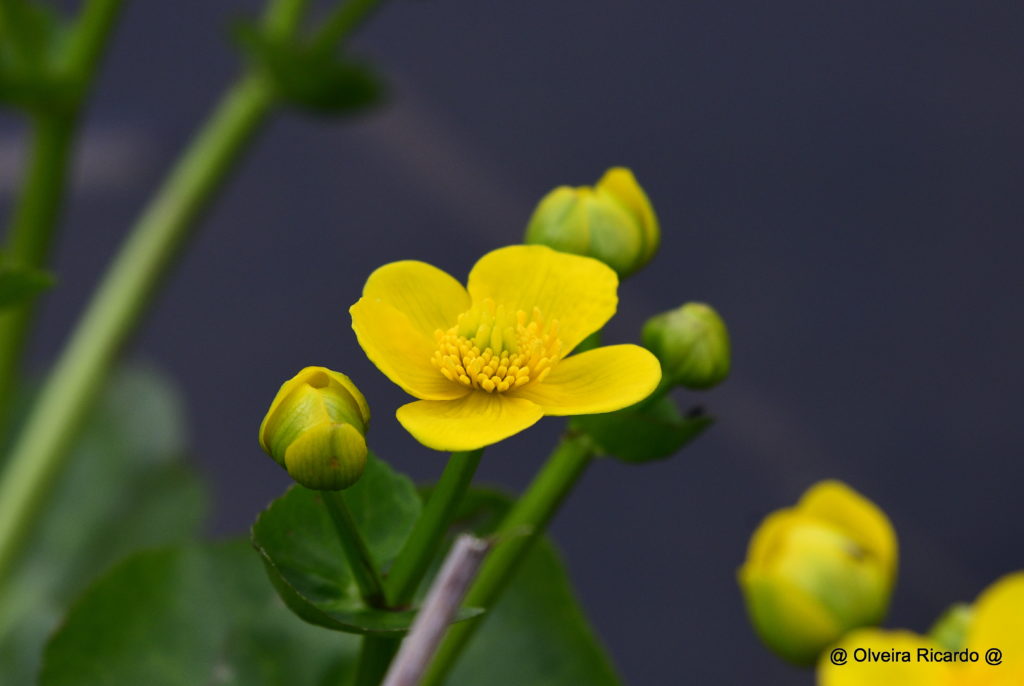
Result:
305,559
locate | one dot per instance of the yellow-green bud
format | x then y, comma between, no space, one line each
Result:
613,221
315,429
818,570
692,344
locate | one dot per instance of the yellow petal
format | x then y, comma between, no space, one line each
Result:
877,673
579,292
999,623
430,298
856,516
601,380
401,350
474,421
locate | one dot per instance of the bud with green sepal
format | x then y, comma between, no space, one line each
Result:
819,570
692,344
612,221
315,429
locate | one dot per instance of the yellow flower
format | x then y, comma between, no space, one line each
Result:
490,359
815,571
997,623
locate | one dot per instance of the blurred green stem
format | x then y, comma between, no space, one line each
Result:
523,524
31,231
358,556
421,547
115,308
54,128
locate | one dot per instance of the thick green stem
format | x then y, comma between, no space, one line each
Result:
375,657
32,227
414,559
116,308
521,527
360,561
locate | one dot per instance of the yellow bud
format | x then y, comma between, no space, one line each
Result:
818,570
315,429
613,221
692,344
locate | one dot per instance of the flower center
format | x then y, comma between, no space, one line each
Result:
495,349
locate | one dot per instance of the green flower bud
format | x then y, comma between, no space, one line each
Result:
950,630
818,570
612,221
315,428
692,344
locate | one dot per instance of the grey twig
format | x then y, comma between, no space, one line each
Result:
438,611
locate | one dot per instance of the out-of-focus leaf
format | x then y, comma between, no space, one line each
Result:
125,487
644,433
18,284
536,634
313,80
191,615
306,563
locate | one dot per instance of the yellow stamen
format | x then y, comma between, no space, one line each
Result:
517,348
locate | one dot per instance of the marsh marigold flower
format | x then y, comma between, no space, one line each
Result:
612,221
490,359
315,429
996,624
818,570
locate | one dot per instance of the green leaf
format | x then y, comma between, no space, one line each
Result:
125,487
313,80
19,284
643,433
188,616
536,634
306,562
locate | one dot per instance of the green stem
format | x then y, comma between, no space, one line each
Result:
414,559
31,232
90,35
341,22
375,657
116,307
524,523
35,220
364,569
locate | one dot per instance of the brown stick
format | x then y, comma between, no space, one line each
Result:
438,611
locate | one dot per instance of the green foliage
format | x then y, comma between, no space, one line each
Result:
309,78
644,432
30,40
19,284
193,614
125,487
537,634
306,561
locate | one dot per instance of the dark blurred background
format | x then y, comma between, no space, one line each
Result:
843,181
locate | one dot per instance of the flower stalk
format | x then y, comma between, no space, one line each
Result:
364,569
523,524
415,557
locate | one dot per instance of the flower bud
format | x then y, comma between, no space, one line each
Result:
692,344
315,428
612,221
818,570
